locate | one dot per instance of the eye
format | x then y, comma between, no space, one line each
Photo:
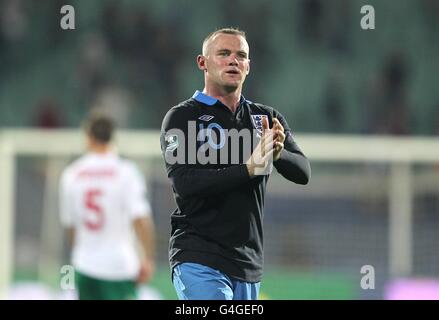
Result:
242,55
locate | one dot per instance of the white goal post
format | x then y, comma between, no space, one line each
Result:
399,152
26,142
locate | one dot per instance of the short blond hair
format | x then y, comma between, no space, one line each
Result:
231,30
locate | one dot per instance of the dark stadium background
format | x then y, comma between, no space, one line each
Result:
309,58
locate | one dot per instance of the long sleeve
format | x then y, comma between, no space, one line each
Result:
187,180
205,182
292,164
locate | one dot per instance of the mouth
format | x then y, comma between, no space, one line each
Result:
233,72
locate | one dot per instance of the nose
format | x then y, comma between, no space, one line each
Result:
233,61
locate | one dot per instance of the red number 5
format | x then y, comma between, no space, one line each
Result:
94,218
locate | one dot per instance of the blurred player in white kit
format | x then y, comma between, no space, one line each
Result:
104,208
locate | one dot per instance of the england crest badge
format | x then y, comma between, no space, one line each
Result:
257,122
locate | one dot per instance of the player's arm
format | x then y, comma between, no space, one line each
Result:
140,212
70,235
145,232
205,182
66,206
187,180
289,160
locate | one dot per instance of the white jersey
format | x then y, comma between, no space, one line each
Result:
100,196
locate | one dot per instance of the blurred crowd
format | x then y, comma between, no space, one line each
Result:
136,59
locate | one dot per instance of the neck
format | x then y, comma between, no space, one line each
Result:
99,148
229,98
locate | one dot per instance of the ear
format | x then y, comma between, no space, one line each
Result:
248,67
201,62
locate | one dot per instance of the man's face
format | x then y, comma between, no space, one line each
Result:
226,61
